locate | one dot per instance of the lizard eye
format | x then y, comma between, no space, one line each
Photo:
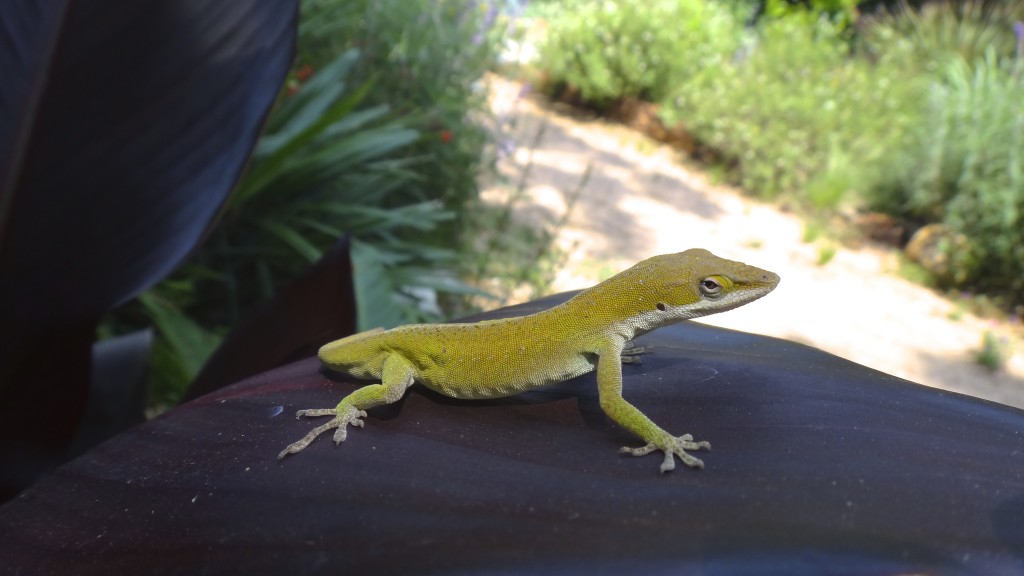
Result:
710,288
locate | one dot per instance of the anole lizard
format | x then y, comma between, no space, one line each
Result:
498,358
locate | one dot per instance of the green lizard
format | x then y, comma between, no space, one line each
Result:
496,358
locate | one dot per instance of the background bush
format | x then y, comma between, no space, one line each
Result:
963,169
940,31
612,49
426,58
969,173
915,112
796,114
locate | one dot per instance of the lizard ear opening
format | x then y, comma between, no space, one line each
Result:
661,306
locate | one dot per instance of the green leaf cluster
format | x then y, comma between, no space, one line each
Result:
942,31
841,13
963,169
425,57
968,172
611,49
326,166
796,114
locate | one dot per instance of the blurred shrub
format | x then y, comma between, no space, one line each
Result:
795,113
938,32
842,13
330,164
964,167
969,172
993,353
426,58
610,49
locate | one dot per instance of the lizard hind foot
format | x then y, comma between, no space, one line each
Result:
673,446
343,416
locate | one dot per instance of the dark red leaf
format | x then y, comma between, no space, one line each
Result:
820,466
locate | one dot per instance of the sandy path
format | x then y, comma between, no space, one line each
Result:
641,201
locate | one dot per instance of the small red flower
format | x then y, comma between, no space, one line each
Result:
446,136
303,74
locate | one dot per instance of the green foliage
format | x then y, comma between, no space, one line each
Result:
426,57
617,48
179,351
798,115
326,165
826,253
813,229
914,272
842,13
943,31
993,353
970,172
963,169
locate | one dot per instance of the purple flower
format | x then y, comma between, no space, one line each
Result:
488,21
492,13
1018,29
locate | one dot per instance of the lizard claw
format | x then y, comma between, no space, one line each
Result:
343,416
672,446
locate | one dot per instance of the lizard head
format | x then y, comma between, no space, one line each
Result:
697,281
690,284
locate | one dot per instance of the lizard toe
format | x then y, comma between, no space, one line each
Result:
672,447
306,440
341,432
343,416
313,412
641,451
669,463
681,444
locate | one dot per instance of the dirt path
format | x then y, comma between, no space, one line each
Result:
641,201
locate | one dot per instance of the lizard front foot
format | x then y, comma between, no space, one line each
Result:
672,446
344,415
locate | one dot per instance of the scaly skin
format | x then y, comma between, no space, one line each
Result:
498,358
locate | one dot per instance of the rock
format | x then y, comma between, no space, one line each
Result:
941,251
